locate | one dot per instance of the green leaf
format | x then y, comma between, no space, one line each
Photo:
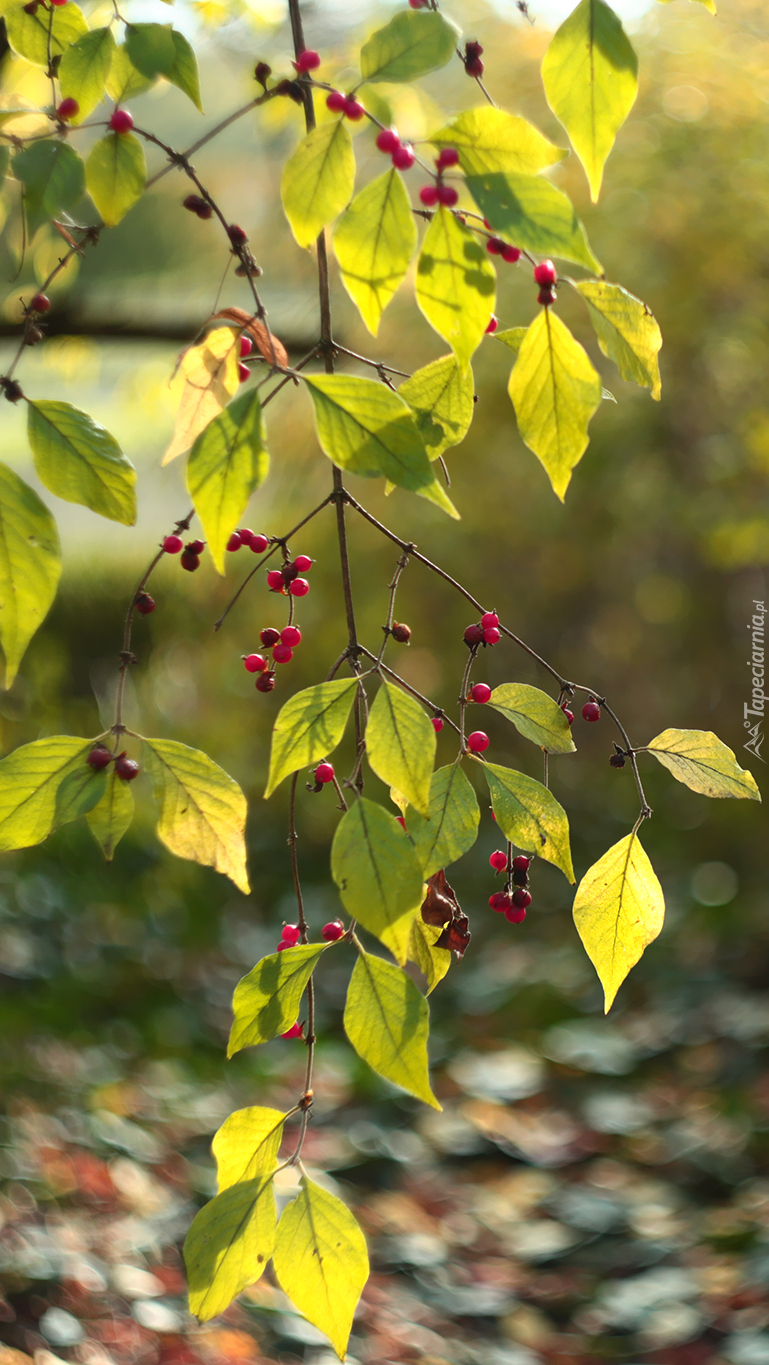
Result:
451,827
53,177
116,173
111,817
44,785
590,75
84,70
490,140
79,461
512,337
227,463
627,331
535,715
619,909
28,33
555,391
5,159
529,815
318,180
123,80
387,1020
266,1002
400,745
442,400
413,43
432,962
30,567
703,762
379,878
247,1145
373,243
184,72
309,727
321,1261
202,811
229,1244
534,215
151,49
455,284
366,428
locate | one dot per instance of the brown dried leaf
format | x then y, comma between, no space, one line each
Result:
267,343
440,906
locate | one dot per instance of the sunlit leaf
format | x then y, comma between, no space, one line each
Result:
210,373
400,745
535,715
28,33
455,287
84,70
432,962
413,43
379,878
266,1002
627,332
373,243
228,462
451,826
123,80
30,567
533,214
709,4
44,785
247,1145
115,174
529,815
111,817
53,177
184,71
441,397
318,180
79,461
618,910
512,337
703,762
230,1242
201,809
387,1020
309,727
490,140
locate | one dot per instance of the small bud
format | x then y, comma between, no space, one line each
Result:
261,73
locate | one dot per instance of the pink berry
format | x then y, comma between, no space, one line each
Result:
477,742
282,946
291,636
243,372
333,931
428,196
282,654
353,110
234,542
473,635
480,692
246,535
403,157
254,663
447,196
275,580
246,345
447,156
269,636
568,714
172,545
259,544
492,636
58,3
308,60
500,902
591,711
295,1031
492,324
511,254
521,863
324,773
516,914
336,102
388,140
121,121
545,273
495,246
67,109
98,758
437,723
498,860
290,934
299,587
303,563
489,620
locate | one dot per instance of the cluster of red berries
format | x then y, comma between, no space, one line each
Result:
287,579
282,643
340,103
546,275
257,543
67,109
483,632
591,711
100,757
496,247
190,560
290,936
430,195
472,59
121,121
401,153
514,901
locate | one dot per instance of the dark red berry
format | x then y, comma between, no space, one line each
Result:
261,73
401,632
447,196
477,742
516,914
266,681
205,211
254,663
520,878
521,863
99,757
295,1031
617,760
437,724
568,714
492,324
474,67
269,636
31,6
403,157
291,934
511,254
500,902
282,654
495,246
299,588
39,304
302,563
336,102
246,346
473,49
189,561
127,768
259,544
545,273
275,580
173,544
324,773
498,860
480,693
291,636
333,931
429,196
547,295
193,202
388,140
353,110
121,121
237,235
243,372
68,108
144,603
307,60
196,547
591,710
521,898
473,635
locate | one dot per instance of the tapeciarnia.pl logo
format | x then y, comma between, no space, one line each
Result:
758,697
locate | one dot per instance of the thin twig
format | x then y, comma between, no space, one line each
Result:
278,542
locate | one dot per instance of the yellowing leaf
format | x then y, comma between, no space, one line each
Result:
247,1145
533,214
380,881
555,391
210,379
373,243
451,826
627,331
432,962
44,785
321,1261
703,762
230,1242
84,70
489,139
512,337
112,815
413,43
590,75
400,745
387,1020
227,463
618,910
79,461
318,180
441,397
455,287
202,811
30,567
535,715
309,727
115,175
529,815
266,1002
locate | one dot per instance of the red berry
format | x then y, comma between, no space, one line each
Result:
521,863
521,898
492,636
547,295
302,563
196,547
511,254
492,324
473,635
437,724
282,654
291,636
515,915
193,202
67,109
246,345
99,757
269,636
127,768
291,934
189,561
243,372
495,246
173,544
39,304
401,821
500,902
353,110
336,102
591,710
401,632
545,273
283,945
144,603
299,588
417,4
489,620
568,714
333,931
254,663
246,535
480,693
428,196
473,49
295,1031
388,140
265,682
259,544
234,542
498,860
307,60
474,68
477,742
447,196
275,580
447,156
237,235
121,121
324,773
403,157
57,3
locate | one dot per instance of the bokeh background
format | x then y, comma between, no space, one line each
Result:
595,1189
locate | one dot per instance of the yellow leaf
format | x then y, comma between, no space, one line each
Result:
202,809
627,332
703,762
432,962
210,379
489,139
618,910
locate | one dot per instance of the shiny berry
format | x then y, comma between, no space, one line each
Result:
353,110
121,121
189,561
269,636
302,563
246,345
99,757
489,620
144,603
545,273
173,544
480,692
39,304
492,324
127,768
291,636
521,863
511,254
333,931
290,934
495,246
282,654
259,544
58,3
275,580
568,714
437,723
283,945
403,158
473,635
234,542
67,109
492,636
266,681
196,547
401,632
336,102
428,195
237,235
521,898
498,860
295,1031
447,196
324,773
254,663
591,710
299,588
477,742
500,902
243,372
447,156
307,60
516,914
617,761
388,140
